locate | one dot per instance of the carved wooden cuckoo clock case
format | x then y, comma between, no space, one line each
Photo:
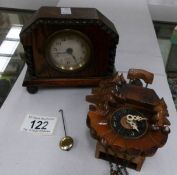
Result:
129,120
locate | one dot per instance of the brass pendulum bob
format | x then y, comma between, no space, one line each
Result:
66,143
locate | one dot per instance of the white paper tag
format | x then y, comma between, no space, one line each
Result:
66,11
39,124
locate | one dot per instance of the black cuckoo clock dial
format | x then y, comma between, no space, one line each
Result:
129,123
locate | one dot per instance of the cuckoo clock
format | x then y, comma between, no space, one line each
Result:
128,119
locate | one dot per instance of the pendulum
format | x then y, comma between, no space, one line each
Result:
66,143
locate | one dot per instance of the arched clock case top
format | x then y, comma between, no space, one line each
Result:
128,119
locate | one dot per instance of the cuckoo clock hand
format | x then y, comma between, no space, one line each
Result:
131,117
133,125
139,118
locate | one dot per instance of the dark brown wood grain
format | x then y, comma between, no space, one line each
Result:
90,22
60,82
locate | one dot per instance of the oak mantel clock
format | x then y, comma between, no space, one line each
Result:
68,47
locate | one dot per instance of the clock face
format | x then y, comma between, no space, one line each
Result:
129,123
68,50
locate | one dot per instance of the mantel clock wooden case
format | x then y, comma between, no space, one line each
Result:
129,120
68,47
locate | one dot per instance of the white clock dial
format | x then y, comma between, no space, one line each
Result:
68,50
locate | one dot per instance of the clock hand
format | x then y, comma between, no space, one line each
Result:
133,125
70,52
135,118
74,59
139,118
130,117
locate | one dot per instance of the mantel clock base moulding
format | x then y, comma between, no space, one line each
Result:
68,49
128,119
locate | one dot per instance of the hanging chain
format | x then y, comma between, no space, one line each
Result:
117,169
122,169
